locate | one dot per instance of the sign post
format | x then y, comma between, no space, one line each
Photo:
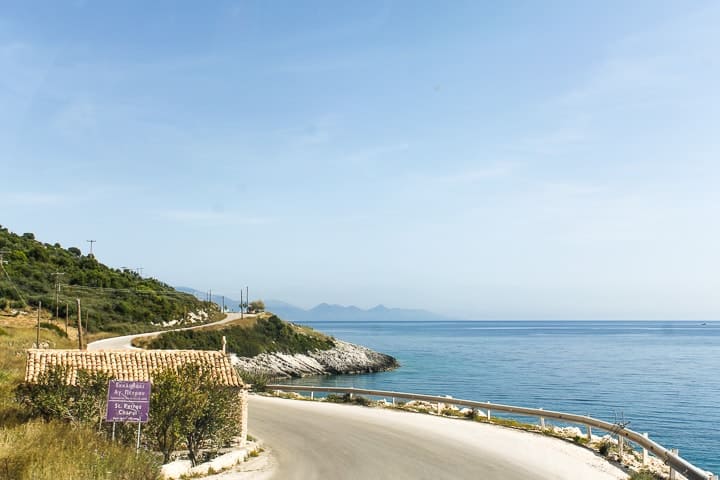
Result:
128,401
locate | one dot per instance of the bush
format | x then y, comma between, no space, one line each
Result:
54,328
267,335
643,475
257,378
604,448
191,407
53,399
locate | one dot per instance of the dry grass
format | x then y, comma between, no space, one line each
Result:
44,451
55,451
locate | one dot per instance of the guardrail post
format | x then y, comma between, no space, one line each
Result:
673,475
644,451
312,395
589,433
542,422
488,414
621,444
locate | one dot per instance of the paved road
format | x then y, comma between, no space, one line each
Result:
312,440
125,342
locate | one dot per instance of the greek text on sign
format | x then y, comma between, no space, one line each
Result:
128,401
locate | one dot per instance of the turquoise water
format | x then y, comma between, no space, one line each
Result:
662,377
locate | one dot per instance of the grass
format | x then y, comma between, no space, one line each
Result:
267,334
35,450
643,475
55,451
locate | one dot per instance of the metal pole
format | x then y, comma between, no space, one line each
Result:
113,434
137,447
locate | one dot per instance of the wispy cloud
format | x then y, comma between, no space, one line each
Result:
32,199
373,154
470,176
211,218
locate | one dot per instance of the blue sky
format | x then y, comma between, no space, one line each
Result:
492,160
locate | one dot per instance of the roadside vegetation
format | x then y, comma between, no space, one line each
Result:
32,448
112,300
52,431
267,333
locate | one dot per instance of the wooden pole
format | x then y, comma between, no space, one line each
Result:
37,340
67,316
79,325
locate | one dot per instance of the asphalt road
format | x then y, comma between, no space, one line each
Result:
312,440
125,342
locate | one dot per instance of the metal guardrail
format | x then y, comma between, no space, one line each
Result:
677,463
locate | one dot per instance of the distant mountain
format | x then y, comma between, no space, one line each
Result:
231,304
328,312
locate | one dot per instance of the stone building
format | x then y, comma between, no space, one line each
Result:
138,365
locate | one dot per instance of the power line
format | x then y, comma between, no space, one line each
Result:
2,266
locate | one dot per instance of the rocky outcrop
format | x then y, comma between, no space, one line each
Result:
344,357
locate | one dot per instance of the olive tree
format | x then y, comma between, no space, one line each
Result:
190,407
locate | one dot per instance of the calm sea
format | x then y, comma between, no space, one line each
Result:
661,377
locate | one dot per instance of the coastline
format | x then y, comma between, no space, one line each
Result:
343,358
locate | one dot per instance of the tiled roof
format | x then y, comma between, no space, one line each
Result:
132,365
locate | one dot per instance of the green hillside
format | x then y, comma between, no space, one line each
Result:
112,299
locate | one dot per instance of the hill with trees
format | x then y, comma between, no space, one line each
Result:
112,299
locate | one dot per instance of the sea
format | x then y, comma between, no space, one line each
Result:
657,377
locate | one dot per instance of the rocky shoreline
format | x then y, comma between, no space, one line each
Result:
343,358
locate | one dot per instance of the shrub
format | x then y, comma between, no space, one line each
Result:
53,399
604,448
257,378
643,475
191,407
54,328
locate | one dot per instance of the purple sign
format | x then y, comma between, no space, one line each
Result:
128,401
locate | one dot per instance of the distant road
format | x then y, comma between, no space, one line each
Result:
313,440
125,342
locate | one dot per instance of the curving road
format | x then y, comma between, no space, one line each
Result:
125,342
313,440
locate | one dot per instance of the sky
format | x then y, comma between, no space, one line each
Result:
487,160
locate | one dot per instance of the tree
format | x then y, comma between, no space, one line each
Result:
256,306
190,406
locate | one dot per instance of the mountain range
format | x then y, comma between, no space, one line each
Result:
325,312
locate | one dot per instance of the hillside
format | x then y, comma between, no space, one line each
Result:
265,343
112,299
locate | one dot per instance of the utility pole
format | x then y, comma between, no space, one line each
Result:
67,316
223,304
210,293
57,292
91,245
242,311
79,325
247,297
139,271
37,340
